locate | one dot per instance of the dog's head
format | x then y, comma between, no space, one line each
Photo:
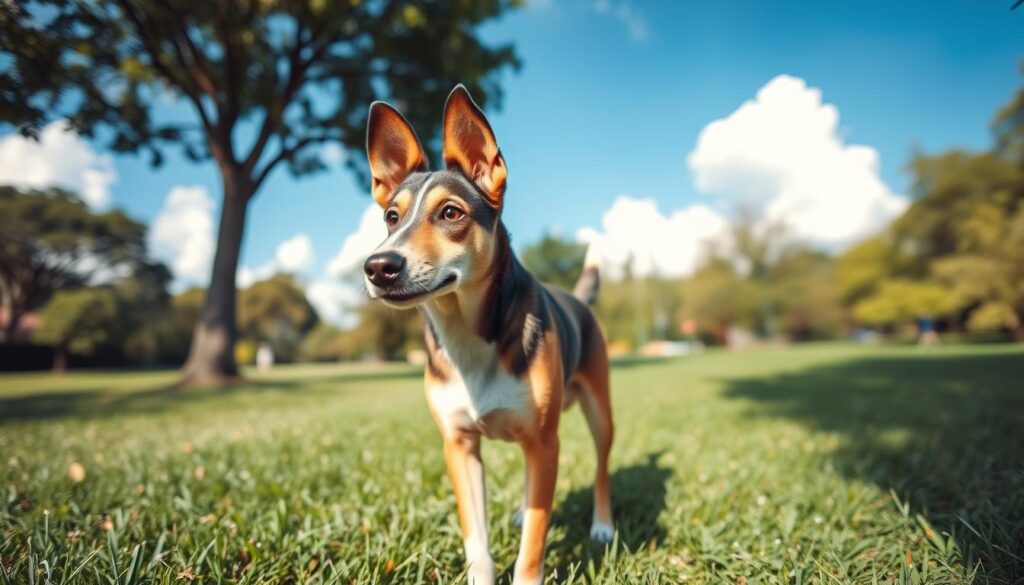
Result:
441,225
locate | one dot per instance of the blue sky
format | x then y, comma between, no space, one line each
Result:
613,95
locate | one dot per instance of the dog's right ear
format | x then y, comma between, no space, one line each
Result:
393,149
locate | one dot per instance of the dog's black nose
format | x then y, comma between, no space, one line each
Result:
383,268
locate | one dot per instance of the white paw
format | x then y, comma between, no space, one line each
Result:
601,532
517,520
480,572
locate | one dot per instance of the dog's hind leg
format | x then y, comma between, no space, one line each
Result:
595,401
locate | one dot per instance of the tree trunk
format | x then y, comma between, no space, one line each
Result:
211,359
11,315
10,328
60,358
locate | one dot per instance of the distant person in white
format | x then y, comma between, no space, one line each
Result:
264,357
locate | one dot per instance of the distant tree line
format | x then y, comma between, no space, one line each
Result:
956,256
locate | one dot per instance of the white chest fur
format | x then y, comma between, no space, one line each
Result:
478,387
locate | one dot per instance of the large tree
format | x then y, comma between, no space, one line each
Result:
49,241
267,83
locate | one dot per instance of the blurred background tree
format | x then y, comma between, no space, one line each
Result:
50,241
383,333
957,253
146,310
79,321
324,343
268,83
554,260
277,311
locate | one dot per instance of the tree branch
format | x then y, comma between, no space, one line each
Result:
297,70
287,153
164,69
232,108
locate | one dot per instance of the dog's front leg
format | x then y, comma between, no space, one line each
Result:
541,473
466,470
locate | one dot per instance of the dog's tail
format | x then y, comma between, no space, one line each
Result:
590,279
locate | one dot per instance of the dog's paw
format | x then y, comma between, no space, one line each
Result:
517,520
601,532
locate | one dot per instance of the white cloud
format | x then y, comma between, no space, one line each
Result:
336,295
182,233
246,277
358,245
295,254
340,292
59,159
783,153
666,245
335,300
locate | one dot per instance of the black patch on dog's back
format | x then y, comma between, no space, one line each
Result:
519,311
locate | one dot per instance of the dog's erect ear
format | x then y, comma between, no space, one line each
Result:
469,145
393,149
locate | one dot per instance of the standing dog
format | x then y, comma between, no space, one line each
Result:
506,354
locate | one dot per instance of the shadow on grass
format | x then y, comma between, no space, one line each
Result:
95,402
945,433
638,498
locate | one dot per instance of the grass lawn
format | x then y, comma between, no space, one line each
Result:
820,464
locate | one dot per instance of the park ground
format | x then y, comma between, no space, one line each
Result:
817,464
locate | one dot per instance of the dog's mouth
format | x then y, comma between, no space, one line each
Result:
407,295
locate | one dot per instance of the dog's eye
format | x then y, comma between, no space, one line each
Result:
391,217
452,213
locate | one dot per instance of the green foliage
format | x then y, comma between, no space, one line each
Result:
806,296
145,313
301,72
958,250
383,333
267,83
80,320
49,240
1009,126
821,464
554,260
325,343
783,289
276,310
718,297
993,316
861,268
901,301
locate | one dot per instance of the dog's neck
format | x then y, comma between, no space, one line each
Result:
487,310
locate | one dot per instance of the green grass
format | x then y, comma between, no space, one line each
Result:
820,464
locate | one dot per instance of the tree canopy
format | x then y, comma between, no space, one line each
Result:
266,84
276,310
79,321
50,240
958,250
555,261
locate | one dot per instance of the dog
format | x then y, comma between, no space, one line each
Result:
505,353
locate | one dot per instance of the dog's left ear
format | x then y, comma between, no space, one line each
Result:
469,145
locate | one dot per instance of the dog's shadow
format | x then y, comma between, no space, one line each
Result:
638,499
